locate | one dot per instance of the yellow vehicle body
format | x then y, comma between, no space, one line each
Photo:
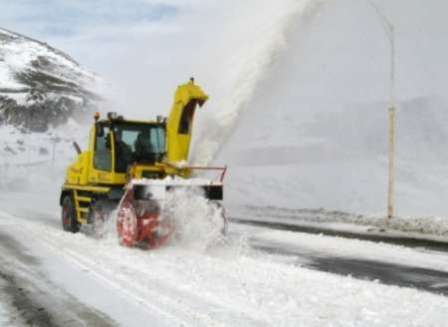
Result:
85,183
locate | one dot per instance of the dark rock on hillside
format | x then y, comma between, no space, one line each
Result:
40,86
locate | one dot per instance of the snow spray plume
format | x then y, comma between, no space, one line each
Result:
197,222
250,62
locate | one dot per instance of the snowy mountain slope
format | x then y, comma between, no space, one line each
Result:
41,86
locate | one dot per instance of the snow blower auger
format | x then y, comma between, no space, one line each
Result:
131,166
142,217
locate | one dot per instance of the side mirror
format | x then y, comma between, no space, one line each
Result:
77,147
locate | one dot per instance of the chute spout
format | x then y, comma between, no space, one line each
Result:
180,121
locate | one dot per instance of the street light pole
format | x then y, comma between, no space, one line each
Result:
390,32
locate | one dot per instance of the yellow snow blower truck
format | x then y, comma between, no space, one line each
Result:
130,166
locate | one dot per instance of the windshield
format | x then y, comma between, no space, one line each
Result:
138,142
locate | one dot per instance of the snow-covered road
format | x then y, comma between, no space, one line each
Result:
30,298
227,284
424,269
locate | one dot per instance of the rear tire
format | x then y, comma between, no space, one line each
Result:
68,215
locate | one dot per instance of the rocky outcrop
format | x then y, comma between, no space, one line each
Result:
40,86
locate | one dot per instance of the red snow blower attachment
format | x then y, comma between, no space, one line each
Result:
143,219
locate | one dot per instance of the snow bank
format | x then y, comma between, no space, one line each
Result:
340,247
338,220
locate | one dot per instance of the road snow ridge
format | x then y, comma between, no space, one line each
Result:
374,235
430,228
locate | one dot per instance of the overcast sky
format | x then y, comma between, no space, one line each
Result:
53,18
84,27
146,47
136,45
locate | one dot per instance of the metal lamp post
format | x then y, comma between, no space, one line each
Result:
390,33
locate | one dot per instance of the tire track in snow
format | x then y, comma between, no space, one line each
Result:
107,277
32,299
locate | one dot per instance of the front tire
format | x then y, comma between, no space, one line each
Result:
68,215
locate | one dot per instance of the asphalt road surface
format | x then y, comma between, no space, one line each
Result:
399,274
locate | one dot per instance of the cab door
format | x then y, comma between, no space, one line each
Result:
102,158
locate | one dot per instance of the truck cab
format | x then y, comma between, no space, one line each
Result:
121,150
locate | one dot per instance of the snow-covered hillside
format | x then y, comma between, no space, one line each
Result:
41,86
338,159
314,132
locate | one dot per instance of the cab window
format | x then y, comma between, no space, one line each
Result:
138,142
102,159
